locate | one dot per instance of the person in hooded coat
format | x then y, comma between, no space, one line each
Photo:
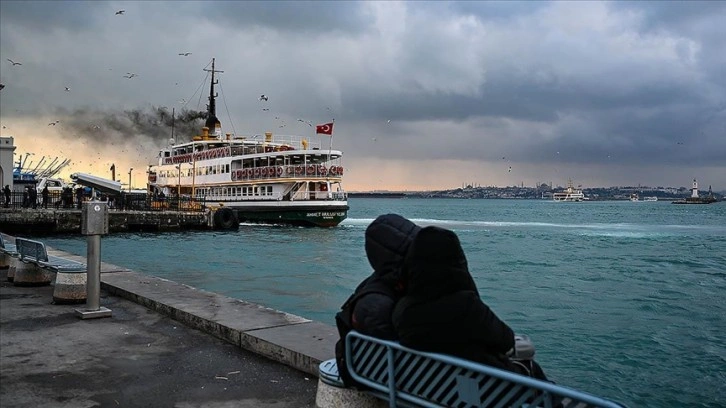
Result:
368,310
442,311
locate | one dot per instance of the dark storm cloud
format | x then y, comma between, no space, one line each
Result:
49,15
602,83
286,16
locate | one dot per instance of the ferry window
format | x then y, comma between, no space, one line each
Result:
226,166
256,191
269,190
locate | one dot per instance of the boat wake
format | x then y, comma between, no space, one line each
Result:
593,229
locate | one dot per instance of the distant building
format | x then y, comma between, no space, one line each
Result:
7,150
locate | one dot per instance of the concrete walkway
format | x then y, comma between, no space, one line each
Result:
148,354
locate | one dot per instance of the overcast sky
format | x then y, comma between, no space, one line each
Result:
490,93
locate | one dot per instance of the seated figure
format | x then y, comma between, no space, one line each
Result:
442,311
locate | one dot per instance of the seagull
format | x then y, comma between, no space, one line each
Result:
263,97
54,123
2,86
120,12
130,75
14,63
185,54
389,121
510,169
68,89
265,109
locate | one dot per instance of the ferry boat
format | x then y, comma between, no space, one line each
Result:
652,198
570,194
634,197
263,178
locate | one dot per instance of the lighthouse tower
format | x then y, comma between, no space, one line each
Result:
694,189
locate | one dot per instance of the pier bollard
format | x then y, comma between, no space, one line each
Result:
12,267
70,287
30,274
4,260
330,396
332,393
94,223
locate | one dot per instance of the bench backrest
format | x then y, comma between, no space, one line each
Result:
33,250
404,375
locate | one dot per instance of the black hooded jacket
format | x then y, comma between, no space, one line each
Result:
387,240
442,311
368,310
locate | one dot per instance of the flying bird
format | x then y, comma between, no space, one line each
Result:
130,75
185,54
510,169
2,86
120,12
14,63
263,97
54,123
265,109
68,89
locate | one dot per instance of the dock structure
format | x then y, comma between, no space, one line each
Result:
62,221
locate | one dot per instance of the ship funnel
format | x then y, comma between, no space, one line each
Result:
305,144
268,137
205,132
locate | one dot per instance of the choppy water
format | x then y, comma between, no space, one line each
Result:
626,300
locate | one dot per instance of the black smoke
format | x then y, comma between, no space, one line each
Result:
153,125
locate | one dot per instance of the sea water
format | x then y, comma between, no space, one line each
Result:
622,299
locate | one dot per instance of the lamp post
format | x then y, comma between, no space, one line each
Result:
178,183
130,179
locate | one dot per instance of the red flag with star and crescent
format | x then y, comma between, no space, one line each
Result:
325,129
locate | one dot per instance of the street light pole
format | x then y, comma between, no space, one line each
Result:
130,179
178,183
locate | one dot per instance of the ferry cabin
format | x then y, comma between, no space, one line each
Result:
228,170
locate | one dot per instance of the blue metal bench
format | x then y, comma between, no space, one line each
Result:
407,377
6,247
35,252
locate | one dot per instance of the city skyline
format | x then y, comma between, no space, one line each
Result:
424,94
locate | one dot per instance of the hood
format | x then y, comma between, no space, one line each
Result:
436,265
387,240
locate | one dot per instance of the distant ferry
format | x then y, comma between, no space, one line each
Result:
570,194
654,198
634,197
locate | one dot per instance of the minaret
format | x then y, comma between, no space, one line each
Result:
694,190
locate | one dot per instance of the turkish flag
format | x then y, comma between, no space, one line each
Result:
326,129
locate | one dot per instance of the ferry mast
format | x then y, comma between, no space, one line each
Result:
212,122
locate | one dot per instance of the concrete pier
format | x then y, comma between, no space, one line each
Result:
167,344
